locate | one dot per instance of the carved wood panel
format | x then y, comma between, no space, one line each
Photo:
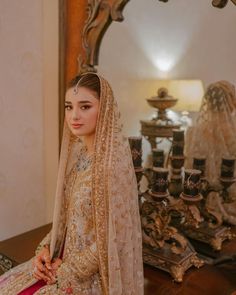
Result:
215,3
221,3
83,24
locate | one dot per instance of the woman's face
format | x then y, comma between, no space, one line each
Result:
81,111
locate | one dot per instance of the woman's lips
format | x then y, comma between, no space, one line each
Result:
76,126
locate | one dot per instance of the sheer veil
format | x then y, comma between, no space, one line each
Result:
213,135
115,200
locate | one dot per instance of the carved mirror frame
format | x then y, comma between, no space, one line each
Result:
83,24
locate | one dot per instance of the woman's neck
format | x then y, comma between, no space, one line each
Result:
89,141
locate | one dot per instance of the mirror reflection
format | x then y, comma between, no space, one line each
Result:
152,48
172,67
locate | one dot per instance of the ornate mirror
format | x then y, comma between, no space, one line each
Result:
150,44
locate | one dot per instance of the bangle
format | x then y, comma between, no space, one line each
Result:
40,247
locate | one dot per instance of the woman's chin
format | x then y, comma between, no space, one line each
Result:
77,133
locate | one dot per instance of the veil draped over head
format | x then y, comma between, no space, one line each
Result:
115,200
213,136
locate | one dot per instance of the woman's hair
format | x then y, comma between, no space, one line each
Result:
90,81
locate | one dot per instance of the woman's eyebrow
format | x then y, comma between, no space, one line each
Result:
80,102
85,101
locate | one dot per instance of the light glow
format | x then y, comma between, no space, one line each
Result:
164,64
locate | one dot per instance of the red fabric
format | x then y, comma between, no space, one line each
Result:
32,289
39,284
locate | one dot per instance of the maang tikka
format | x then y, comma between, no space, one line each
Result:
75,90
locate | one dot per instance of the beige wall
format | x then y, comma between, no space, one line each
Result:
28,113
51,88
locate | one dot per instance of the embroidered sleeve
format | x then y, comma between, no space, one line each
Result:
82,263
45,241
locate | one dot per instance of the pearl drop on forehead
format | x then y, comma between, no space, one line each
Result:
75,90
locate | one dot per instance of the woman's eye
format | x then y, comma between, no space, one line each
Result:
67,107
85,107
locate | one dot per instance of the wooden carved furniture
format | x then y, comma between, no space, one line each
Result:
161,126
208,280
163,245
167,221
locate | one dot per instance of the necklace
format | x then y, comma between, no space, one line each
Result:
85,160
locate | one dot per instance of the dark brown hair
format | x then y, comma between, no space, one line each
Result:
90,81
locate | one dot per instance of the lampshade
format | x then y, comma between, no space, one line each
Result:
188,92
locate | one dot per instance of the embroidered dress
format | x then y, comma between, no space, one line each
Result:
96,215
79,239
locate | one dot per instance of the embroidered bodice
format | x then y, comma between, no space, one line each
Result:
80,264
79,215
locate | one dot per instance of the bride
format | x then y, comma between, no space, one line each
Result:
95,244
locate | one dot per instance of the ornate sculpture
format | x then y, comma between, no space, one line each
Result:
100,15
215,3
160,126
6,263
156,229
163,246
221,3
177,162
200,223
219,201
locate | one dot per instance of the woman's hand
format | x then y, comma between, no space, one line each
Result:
55,265
42,265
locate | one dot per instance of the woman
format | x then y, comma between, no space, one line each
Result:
213,135
94,246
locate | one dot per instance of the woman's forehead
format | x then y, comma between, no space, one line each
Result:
80,93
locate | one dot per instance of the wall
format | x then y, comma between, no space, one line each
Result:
28,79
50,98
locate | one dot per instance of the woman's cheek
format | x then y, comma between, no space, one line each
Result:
67,117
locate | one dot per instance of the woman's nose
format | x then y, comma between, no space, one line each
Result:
75,114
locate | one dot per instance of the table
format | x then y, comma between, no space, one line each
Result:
208,280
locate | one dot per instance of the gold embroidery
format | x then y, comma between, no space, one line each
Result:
117,231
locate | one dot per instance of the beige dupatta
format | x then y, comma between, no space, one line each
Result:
115,200
214,134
